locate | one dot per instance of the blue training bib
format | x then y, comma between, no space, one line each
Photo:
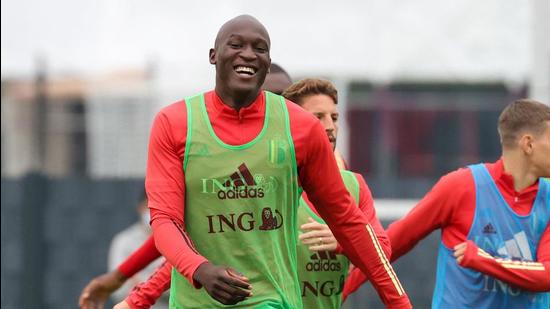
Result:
502,233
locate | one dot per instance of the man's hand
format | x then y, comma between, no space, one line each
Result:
460,250
223,283
317,236
122,305
94,295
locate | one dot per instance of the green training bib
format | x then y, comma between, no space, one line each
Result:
241,204
322,274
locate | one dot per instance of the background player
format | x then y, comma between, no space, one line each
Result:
494,217
323,273
125,243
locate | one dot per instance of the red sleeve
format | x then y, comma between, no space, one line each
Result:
165,185
531,276
366,204
438,209
320,177
145,294
356,278
450,205
142,257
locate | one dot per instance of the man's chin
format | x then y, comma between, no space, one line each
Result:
244,87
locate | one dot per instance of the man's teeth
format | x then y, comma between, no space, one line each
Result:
241,69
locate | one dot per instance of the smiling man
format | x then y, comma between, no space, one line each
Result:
231,142
97,291
321,272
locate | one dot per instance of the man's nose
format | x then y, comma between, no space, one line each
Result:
329,124
248,53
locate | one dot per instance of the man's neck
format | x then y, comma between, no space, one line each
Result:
519,168
237,100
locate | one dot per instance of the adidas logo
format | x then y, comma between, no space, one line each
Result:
323,261
242,173
323,255
489,229
517,248
241,185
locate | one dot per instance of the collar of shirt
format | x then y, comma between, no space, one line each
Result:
221,109
506,182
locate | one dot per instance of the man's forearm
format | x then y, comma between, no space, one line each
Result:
176,246
530,276
146,293
142,257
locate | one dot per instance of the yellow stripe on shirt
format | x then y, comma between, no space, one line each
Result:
527,265
385,262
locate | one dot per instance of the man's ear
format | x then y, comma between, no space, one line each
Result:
212,56
526,143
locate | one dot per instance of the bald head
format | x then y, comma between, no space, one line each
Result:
241,57
237,22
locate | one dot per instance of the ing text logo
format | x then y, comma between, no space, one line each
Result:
245,222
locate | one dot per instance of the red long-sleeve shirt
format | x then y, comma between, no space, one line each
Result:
142,257
145,295
317,171
450,206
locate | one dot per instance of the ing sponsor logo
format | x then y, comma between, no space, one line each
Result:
269,219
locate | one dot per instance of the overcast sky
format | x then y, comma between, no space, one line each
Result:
371,39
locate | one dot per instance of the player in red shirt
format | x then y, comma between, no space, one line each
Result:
524,127
318,97
96,292
236,113
145,294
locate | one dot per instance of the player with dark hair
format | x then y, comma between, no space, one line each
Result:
279,79
494,220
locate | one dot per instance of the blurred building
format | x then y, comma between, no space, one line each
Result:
64,125
405,71
405,135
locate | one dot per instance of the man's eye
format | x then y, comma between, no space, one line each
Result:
235,45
